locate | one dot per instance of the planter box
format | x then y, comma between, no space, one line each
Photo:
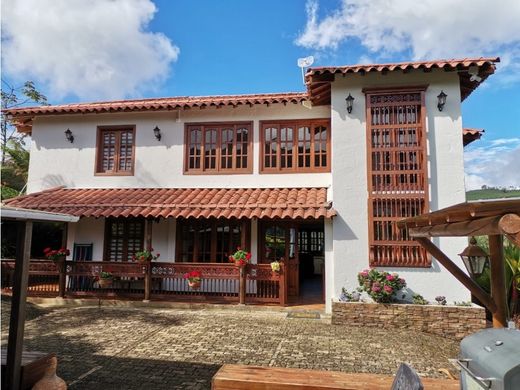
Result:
448,321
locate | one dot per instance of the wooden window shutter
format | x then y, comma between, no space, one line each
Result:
397,175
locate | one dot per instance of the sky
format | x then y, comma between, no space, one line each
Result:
91,50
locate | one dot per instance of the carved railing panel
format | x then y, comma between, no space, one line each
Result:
43,277
263,285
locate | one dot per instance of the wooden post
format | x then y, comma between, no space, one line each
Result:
498,281
458,273
17,320
283,285
148,270
242,286
62,269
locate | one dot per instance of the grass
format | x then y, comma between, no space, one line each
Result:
492,194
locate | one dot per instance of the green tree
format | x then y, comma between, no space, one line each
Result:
14,156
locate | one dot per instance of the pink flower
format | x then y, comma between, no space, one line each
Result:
364,274
401,281
376,289
389,289
390,277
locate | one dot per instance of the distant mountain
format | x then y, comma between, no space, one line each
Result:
492,194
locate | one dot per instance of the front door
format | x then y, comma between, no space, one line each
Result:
278,241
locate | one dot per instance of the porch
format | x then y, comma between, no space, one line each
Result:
194,230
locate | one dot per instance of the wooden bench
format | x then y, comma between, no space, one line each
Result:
237,377
33,367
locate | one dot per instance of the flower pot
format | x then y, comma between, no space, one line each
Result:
104,283
194,285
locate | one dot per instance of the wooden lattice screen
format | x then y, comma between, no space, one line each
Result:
397,174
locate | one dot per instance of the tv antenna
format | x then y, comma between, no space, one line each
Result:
305,63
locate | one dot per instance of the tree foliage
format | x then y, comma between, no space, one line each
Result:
14,156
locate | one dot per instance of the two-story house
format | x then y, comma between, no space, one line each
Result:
318,178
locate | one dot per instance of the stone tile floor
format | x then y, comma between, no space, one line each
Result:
127,348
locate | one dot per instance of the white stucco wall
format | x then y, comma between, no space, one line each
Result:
349,178
55,161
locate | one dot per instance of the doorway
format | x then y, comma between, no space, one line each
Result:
300,245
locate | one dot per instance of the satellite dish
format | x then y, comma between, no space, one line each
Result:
305,63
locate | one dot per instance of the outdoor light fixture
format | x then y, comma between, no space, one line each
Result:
350,103
474,258
157,133
441,100
69,136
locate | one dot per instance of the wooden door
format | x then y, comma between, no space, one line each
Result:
278,241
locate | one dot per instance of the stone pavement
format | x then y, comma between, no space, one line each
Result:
139,348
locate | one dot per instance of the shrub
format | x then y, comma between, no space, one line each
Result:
418,299
380,285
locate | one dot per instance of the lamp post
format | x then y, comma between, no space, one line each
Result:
474,258
157,133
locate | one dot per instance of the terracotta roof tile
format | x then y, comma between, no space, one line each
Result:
470,135
288,203
318,78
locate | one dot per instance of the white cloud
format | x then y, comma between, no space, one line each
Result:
496,164
94,49
427,29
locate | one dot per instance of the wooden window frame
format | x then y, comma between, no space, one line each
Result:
295,124
245,232
99,152
106,242
397,198
218,169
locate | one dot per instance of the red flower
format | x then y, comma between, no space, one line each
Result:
47,250
248,256
157,255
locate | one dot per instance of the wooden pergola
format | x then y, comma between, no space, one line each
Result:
25,219
495,219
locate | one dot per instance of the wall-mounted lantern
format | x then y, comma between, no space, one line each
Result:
441,100
474,258
69,136
157,133
350,102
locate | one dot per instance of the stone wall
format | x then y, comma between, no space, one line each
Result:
447,321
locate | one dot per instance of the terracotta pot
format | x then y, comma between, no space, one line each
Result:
194,285
104,283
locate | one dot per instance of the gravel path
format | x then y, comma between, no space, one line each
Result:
120,348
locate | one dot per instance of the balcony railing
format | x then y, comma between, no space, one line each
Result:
256,283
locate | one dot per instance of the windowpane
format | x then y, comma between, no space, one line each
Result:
226,159
296,146
125,238
195,148
210,149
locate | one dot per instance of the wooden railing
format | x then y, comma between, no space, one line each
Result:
158,281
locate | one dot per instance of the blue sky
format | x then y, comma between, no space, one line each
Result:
74,51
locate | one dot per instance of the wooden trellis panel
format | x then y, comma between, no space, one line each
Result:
397,174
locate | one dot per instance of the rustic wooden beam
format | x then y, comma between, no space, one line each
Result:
148,267
509,224
17,320
460,275
476,227
498,280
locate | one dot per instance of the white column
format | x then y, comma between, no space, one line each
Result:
172,234
329,265
71,238
254,241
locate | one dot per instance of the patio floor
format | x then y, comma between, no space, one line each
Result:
140,348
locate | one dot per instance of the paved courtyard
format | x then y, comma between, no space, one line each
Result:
126,348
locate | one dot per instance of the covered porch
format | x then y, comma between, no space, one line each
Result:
193,230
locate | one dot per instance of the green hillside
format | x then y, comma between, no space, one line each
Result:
492,194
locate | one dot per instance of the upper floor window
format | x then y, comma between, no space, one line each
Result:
115,150
218,148
295,146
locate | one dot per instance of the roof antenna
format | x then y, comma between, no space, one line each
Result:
305,63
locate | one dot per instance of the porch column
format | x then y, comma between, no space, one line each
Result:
498,281
329,264
17,320
254,241
148,271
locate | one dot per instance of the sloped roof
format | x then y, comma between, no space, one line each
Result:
290,203
469,135
318,79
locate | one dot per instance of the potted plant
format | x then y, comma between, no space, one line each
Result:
146,255
241,257
381,286
194,279
275,266
105,279
56,254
